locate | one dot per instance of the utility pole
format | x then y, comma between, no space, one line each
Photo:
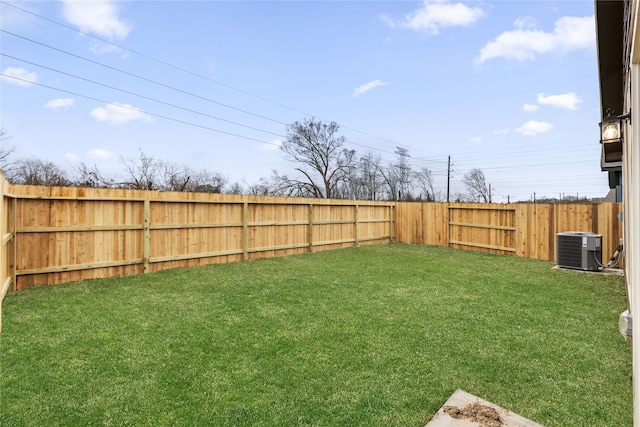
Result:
489,192
448,178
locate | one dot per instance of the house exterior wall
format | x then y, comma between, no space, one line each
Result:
631,182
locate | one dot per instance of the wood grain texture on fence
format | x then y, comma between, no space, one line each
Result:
70,234
53,235
482,227
526,230
539,224
7,244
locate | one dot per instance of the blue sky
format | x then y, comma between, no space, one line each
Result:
510,87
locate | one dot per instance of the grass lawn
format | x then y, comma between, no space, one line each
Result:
371,336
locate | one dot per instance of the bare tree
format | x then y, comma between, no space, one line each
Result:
147,173
397,176
5,151
424,179
261,188
142,173
33,171
90,176
365,181
205,181
403,173
282,185
235,188
477,187
317,150
173,177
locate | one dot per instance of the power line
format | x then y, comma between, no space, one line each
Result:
468,155
142,96
141,77
135,109
463,158
165,63
169,87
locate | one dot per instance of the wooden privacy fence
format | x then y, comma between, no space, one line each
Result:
53,235
7,247
69,234
525,230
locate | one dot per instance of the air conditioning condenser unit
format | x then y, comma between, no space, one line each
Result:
579,250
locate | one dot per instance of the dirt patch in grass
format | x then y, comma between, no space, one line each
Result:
476,412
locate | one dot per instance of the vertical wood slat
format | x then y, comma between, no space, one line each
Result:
4,287
355,225
7,242
245,231
392,223
310,231
89,233
146,236
536,226
11,230
163,230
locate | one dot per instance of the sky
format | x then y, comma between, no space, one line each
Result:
508,87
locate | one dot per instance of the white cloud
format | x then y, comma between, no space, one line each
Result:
437,14
568,100
22,76
71,157
274,145
97,16
530,107
103,48
501,131
99,153
367,87
533,127
525,22
476,140
54,104
569,34
119,114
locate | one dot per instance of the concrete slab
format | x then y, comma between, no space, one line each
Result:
466,410
607,271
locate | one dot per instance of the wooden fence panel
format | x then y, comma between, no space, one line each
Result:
485,228
373,224
67,234
84,233
277,229
526,230
190,233
423,223
7,242
75,239
535,231
609,225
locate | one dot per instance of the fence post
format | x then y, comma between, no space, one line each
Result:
245,230
146,246
448,225
11,234
3,252
355,225
310,234
392,223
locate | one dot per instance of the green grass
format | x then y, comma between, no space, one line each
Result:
370,336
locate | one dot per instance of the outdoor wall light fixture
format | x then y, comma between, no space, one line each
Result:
611,140
611,128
